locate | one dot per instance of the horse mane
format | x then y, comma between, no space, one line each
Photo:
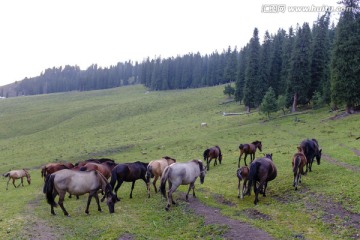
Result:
256,142
169,158
201,166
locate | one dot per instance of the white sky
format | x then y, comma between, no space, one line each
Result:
40,34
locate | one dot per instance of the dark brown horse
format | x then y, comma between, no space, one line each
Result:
242,174
104,168
249,149
311,150
298,163
212,153
262,170
128,172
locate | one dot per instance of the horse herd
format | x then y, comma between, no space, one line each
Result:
92,175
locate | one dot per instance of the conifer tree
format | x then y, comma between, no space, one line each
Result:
345,74
252,72
269,104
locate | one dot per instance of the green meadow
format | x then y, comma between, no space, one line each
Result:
129,124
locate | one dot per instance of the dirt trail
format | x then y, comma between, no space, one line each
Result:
236,229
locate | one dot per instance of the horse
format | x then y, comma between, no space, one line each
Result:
155,170
128,172
16,174
212,153
78,165
249,149
104,168
311,150
77,183
262,170
181,174
242,174
298,163
54,167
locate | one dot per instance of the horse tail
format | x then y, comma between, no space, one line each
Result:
206,153
164,178
254,168
149,173
6,174
296,164
48,189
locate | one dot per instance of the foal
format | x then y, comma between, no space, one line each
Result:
16,174
298,163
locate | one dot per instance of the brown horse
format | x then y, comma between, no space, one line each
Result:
298,163
212,153
77,183
249,149
104,168
16,174
262,170
242,174
155,170
54,167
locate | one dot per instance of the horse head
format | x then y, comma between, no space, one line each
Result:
258,144
202,171
110,198
318,156
28,177
269,156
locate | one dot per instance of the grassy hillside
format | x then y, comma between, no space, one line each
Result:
129,124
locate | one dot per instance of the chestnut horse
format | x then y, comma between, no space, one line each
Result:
181,174
54,167
16,174
249,149
77,183
298,163
212,153
155,170
104,168
311,150
242,174
262,170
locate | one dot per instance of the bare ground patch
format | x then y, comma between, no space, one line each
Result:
235,229
339,163
37,228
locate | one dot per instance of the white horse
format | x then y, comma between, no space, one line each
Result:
181,174
16,174
203,124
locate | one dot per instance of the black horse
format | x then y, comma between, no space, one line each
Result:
310,147
262,170
128,172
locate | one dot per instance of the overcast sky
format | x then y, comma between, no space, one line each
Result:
40,34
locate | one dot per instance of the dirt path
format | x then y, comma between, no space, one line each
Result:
339,163
236,229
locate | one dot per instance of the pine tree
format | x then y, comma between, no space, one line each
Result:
252,72
277,61
345,74
269,104
240,78
299,77
264,70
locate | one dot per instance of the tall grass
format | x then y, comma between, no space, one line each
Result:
129,124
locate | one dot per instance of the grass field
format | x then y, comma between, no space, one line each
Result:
129,124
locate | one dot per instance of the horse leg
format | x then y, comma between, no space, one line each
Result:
7,185
239,160
132,188
208,164
52,206
191,186
61,203
239,188
88,202
154,183
119,182
97,201
261,185
245,159
244,189
215,162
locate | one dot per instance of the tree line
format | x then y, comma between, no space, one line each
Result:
318,63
